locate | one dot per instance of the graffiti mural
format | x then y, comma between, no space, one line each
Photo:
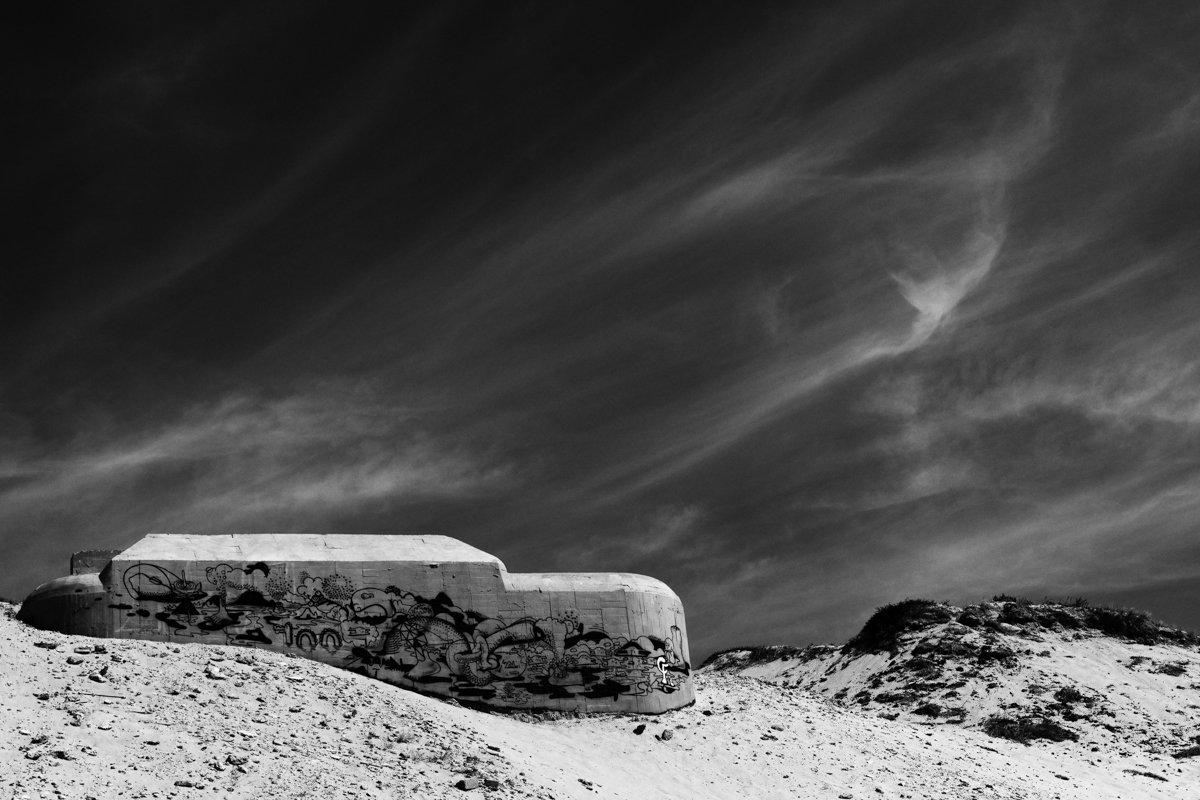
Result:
425,643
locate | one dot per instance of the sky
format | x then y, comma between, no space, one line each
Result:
800,308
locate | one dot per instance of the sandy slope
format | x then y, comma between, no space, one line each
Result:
239,723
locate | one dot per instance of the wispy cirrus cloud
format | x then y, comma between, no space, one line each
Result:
244,461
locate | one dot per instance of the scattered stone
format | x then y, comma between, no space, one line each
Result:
22,732
214,673
62,755
98,678
296,709
186,784
99,649
493,748
104,726
467,784
666,735
84,650
73,660
153,742
639,730
491,783
40,738
236,759
46,645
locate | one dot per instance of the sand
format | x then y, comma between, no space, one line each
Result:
193,721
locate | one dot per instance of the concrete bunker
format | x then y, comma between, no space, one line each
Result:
428,613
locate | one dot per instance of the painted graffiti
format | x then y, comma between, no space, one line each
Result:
395,635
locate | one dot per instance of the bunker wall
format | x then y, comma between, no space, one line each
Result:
465,630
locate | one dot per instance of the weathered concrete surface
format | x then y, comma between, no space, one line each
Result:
429,613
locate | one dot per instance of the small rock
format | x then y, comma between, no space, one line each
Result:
40,739
22,732
99,649
296,709
73,660
186,784
62,755
236,760
491,783
493,748
467,784
666,735
639,730
98,678
153,742
84,650
104,726
707,712
215,673
776,727
46,645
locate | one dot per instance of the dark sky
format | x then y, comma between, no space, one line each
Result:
801,308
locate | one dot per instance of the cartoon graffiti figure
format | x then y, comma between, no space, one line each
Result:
152,582
373,606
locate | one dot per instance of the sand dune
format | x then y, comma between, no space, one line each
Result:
143,719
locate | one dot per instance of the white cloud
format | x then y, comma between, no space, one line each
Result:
243,456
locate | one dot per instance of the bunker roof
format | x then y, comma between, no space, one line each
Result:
273,547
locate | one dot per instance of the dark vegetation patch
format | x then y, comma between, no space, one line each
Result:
1125,623
896,697
883,630
1026,729
1145,774
762,654
1068,694
987,653
1174,670
1136,626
